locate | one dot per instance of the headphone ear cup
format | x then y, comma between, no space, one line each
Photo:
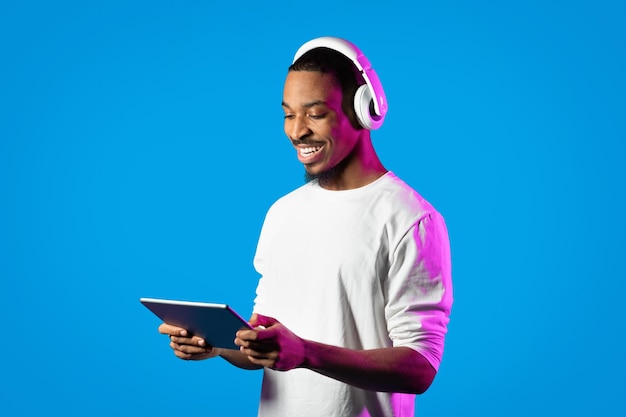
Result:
362,103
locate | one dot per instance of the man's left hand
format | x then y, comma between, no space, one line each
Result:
271,344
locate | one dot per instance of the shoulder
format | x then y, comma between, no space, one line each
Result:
400,199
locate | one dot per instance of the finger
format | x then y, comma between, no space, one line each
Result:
170,329
266,363
264,347
191,349
267,334
260,337
265,321
183,355
194,340
247,335
253,320
260,354
189,356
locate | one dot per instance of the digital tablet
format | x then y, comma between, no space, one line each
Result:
215,323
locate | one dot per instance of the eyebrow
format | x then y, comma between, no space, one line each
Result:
307,105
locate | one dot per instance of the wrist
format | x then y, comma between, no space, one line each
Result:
309,354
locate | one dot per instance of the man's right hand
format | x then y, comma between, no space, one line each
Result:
188,348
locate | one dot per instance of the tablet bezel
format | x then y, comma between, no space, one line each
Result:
217,324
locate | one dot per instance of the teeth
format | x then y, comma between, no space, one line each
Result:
309,150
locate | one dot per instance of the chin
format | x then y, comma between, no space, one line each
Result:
321,176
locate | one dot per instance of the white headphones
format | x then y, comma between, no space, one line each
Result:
371,92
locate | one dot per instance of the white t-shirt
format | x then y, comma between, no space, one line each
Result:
363,269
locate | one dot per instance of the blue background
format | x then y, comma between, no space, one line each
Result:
141,144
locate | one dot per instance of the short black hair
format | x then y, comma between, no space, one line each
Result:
329,61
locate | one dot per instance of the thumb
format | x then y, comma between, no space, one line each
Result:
261,320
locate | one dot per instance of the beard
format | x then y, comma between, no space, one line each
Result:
322,178
327,176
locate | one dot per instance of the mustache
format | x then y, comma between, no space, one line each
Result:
309,142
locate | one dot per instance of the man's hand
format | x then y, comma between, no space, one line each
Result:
185,347
271,344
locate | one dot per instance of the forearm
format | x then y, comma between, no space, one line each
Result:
396,369
238,359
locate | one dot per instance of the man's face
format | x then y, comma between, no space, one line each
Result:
318,128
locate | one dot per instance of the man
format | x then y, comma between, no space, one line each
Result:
355,291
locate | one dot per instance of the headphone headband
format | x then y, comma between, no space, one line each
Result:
372,93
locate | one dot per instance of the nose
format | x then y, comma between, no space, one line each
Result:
297,128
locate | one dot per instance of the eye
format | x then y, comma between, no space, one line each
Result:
317,116
289,116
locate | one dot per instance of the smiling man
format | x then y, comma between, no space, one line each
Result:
355,291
